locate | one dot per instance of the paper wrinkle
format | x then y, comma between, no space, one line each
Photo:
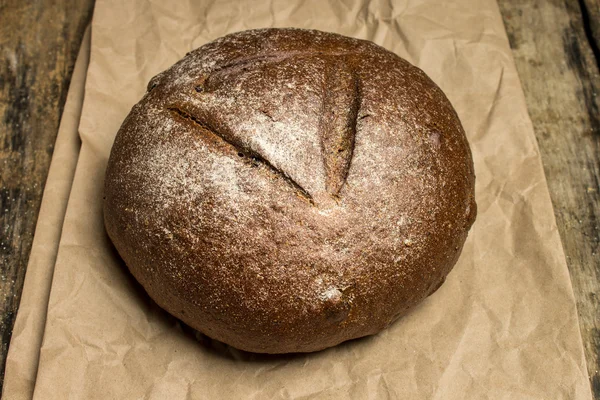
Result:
504,324
491,111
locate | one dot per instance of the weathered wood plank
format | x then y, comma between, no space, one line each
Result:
560,77
39,41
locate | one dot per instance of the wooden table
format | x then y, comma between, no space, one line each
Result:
556,46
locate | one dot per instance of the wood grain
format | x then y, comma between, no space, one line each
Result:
559,72
39,41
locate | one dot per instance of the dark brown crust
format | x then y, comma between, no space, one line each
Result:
285,190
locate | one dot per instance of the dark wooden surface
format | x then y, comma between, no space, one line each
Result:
39,41
556,48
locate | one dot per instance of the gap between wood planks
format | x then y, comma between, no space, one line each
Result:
590,12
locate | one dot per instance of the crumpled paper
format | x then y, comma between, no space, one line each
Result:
503,326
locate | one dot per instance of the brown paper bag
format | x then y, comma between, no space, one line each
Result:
504,326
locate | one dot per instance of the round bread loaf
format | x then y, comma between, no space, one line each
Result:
285,190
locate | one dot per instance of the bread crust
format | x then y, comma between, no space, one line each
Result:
285,190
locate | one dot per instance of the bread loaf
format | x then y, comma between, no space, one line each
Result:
285,190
